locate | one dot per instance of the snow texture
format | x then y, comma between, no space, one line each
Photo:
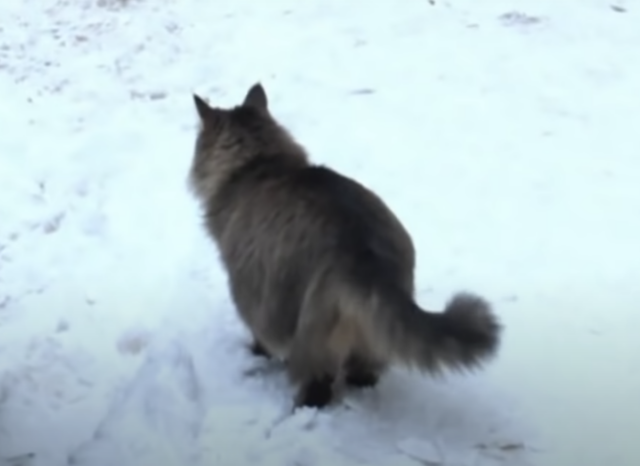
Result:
504,133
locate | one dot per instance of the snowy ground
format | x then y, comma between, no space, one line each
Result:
504,133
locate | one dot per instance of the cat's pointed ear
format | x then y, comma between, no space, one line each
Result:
256,97
205,112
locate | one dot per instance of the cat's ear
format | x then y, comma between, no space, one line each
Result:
256,97
205,112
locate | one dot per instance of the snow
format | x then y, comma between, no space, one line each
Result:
503,133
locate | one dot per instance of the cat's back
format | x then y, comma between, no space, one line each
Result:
271,183
270,200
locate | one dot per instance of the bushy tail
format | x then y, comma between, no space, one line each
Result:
464,336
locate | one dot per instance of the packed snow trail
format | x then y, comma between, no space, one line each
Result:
503,134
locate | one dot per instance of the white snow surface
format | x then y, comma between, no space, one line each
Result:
504,133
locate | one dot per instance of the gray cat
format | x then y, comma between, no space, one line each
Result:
320,270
